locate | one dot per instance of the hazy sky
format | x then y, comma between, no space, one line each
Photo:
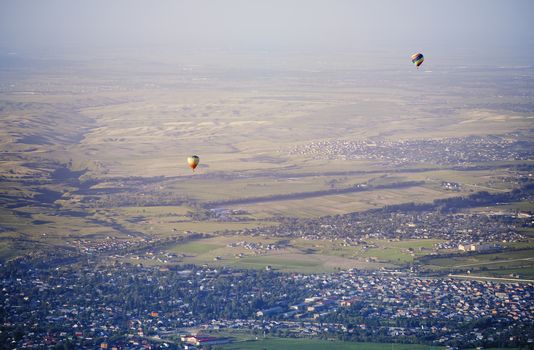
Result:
485,26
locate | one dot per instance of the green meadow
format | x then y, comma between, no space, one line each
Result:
312,344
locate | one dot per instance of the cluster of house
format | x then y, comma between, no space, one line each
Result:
95,303
454,229
451,186
110,243
456,151
479,247
397,295
256,247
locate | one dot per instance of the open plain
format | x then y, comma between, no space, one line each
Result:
316,178
100,159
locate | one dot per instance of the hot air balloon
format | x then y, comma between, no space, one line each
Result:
418,59
193,161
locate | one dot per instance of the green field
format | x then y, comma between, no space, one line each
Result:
195,248
522,272
216,251
503,264
283,263
300,255
312,344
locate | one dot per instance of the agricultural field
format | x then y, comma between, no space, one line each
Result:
255,253
345,203
312,344
300,255
510,263
103,157
515,206
521,274
278,175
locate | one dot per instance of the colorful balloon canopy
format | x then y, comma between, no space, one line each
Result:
418,59
193,161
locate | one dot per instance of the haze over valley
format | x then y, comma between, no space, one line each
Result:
342,193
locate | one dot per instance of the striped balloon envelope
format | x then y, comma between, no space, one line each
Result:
418,59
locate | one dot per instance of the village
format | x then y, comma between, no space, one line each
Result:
450,151
410,222
119,305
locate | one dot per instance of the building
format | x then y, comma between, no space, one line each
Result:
204,341
269,312
478,247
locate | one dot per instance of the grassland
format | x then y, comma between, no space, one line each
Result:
515,206
300,255
345,203
312,344
123,141
523,275
504,264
